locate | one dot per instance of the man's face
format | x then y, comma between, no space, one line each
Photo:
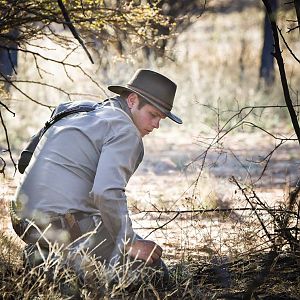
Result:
146,118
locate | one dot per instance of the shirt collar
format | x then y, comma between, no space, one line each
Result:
119,102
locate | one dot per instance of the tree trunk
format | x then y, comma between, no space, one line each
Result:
8,56
266,72
280,62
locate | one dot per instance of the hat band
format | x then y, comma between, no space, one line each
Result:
160,102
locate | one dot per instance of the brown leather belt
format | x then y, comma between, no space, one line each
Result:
69,221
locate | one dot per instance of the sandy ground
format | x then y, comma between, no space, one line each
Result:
166,181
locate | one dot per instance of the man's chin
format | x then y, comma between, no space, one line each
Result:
146,132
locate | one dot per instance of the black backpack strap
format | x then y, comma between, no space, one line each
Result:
26,154
62,114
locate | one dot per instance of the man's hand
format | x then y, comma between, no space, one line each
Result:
145,250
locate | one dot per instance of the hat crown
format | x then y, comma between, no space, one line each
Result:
155,86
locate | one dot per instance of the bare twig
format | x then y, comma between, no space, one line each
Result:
62,62
287,46
217,138
69,94
163,225
23,93
8,145
268,158
6,107
293,28
217,210
232,179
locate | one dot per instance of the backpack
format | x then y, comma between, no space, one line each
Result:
61,111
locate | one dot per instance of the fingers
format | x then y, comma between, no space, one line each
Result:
156,251
145,250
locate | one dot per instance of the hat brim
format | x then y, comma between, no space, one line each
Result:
119,89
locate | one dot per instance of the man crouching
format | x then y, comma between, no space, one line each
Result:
73,191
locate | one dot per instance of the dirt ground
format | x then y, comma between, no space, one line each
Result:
165,181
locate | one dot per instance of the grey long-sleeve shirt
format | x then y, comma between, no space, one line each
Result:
83,163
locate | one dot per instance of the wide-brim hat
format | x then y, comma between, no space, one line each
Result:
155,88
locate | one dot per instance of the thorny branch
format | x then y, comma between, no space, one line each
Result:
227,128
232,179
281,217
282,220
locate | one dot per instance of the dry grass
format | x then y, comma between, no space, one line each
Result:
215,278
210,255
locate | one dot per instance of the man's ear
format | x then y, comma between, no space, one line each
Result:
132,100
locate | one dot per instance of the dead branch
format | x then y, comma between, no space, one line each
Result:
61,62
6,107
163,225
267,159
73,29
217,138
271,240
287,45
282,231
223,131
23,93
195,213
68,94
281,218
8,146
293,28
